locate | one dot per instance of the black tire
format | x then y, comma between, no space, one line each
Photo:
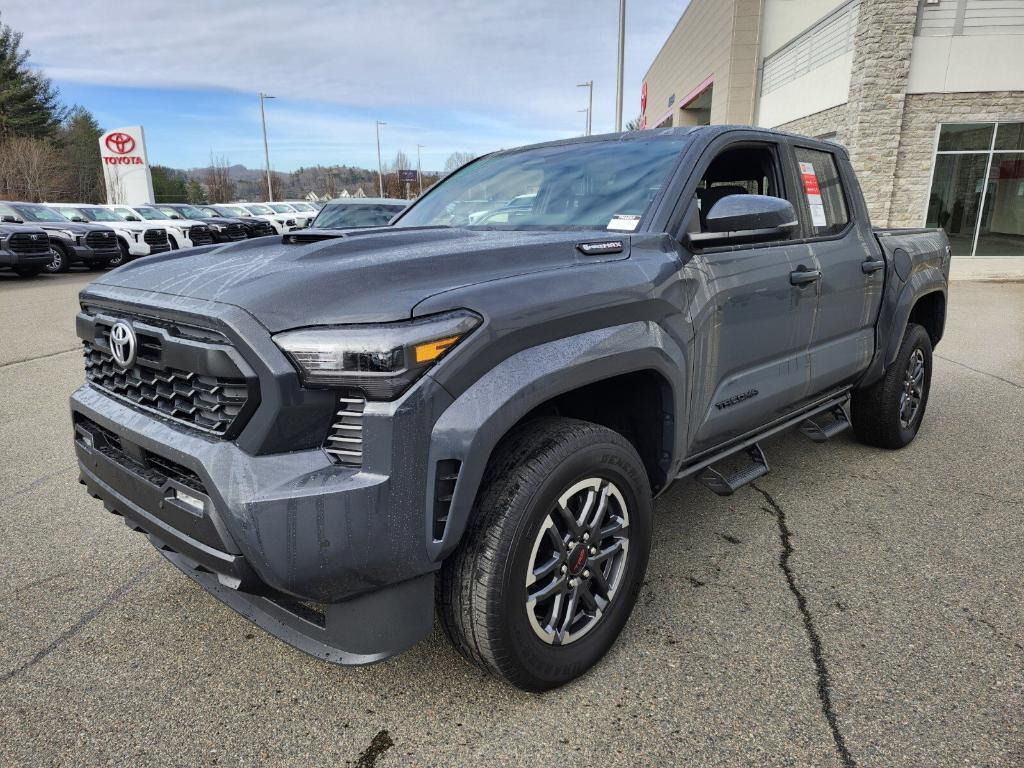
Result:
61,260
878,413
482,589
28,271
124,258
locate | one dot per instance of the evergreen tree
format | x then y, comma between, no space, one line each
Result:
194,192
168,186
79,138
29,103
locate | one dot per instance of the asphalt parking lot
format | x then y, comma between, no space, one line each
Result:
856,607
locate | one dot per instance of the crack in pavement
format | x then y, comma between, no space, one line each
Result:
82,622
983,373
40,357
817,652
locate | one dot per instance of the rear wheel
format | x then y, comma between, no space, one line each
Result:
61,262
888,414
550,567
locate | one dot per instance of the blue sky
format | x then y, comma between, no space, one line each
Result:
458,75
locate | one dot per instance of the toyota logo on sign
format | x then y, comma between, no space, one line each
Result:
121,143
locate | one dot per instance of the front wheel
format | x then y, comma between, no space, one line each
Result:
554,556
888,414
61,262
122,258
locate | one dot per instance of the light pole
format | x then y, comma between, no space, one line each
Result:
419,168
589,85
586,125
266,148
618,79
380,167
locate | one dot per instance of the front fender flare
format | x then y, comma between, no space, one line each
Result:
472,426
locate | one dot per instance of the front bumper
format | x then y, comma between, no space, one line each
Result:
88,255
333,560
12,259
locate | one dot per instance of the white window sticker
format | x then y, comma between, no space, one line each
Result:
624,222
813,192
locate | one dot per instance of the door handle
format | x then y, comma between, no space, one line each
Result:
802,276
872,265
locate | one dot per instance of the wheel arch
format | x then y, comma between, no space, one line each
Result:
572,377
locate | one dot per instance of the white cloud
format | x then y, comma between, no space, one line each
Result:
515,64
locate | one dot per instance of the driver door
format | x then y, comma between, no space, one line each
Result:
752,325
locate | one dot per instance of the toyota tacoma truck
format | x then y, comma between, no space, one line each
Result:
336,435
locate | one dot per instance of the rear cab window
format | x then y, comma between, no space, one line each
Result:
823,197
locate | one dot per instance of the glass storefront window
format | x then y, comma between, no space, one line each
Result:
966,137
977,191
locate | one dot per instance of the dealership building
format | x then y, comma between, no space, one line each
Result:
927,95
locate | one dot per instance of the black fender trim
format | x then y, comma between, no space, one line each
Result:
469,430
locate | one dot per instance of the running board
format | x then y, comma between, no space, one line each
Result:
727,485
821,430
822,407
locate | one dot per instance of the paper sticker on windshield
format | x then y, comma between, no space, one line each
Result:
813,191
624,222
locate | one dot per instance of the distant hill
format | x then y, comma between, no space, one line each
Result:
250,183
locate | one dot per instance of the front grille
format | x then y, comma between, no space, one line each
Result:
262,229
29,244
209,403
101,241
200,235
155,237
235,231
345,440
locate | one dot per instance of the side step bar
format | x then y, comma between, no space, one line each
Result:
812,425
727,485
821,431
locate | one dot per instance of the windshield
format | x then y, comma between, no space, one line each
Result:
94,214
280,208
589,185
151,214
304,207
39,213
232,210
260,210
351,215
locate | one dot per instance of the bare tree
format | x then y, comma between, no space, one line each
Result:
219,187
456,160
31,170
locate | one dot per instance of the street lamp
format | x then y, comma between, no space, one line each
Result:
266,148
419,168
586,125
380,167
618,79
589,85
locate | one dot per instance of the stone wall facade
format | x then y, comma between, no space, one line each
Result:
881,64
921,117
833,120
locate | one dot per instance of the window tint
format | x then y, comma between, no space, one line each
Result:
823,191
965,136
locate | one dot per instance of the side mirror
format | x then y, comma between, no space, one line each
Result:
80,219
747,219
132,218
8,219
175,216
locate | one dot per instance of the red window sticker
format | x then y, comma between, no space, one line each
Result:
813,191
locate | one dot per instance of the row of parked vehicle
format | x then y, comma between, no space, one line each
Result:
38,237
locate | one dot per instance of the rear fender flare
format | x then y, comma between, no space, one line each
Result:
472,426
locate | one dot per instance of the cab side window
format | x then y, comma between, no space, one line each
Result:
745,170
822,190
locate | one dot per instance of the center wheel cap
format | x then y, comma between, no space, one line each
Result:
577,559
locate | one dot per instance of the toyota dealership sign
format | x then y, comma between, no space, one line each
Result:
126,166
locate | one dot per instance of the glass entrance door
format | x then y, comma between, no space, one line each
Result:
977,192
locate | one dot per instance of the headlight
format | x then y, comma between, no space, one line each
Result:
69,235
383,360
216,227
290,223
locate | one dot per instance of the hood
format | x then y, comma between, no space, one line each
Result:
362,276
78,227
28,229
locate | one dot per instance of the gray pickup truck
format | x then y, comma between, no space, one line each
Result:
473,408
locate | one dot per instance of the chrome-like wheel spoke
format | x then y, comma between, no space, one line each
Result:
578,561
913,389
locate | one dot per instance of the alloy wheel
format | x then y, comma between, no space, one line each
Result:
913,389
578,561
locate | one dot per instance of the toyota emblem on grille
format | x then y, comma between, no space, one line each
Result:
122,344
35,237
